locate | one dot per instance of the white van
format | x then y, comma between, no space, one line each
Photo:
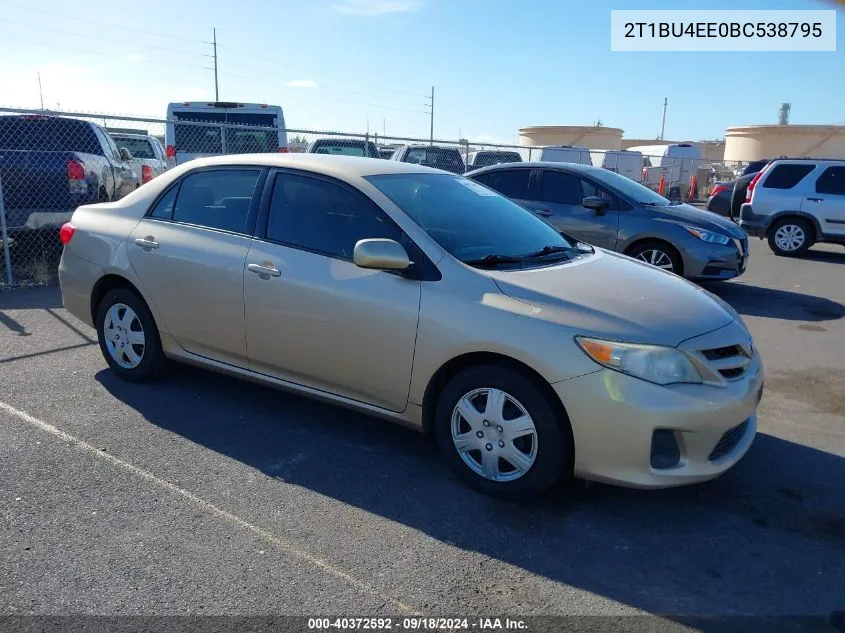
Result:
250,128
566,154
623,162
676,163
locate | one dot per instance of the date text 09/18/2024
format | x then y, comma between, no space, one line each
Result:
417,623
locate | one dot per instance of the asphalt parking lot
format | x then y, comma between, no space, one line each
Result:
206,495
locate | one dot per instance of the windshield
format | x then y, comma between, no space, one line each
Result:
627,187
485,159
139,148
466,218
436,157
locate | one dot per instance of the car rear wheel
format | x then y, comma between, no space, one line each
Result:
790,237
128,336
658,254
500,433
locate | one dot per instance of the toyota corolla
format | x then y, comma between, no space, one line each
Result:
426,298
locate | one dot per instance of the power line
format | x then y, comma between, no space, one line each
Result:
370,105
100,54
100,37
178,36
323,86
252,56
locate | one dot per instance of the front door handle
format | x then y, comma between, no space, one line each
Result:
544,212
816,199
265,272
147,243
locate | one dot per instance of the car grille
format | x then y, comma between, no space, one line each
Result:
728,441
731,361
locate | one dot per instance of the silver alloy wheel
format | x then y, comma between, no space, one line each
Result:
657,258
494,434
790,237
124,336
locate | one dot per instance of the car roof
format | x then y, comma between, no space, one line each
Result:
143,137
337,166
543,164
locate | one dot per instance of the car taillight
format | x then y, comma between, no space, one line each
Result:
753,183
66,233
76,176
717,190
171,151
283,150
146,173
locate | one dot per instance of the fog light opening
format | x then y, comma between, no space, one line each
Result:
665,452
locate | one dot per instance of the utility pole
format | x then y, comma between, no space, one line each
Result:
40,91
663,125
214,43
431,112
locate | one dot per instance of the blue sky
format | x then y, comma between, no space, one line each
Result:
497,65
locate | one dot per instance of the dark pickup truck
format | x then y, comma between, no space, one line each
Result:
51,165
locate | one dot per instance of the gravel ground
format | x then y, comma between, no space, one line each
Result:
206,495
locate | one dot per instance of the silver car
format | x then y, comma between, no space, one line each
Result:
608,210
425,298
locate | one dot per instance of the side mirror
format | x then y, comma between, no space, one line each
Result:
596,203
380,254
125,154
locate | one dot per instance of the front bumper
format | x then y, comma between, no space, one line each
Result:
704,261
614,418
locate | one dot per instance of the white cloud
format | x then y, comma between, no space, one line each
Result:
135,58
377,7
301,83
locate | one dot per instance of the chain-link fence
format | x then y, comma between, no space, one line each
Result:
52,162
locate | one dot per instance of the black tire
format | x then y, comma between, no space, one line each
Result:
800,223
102,196
554,449
662,247
738,195
152,358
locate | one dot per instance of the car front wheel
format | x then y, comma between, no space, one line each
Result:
128,336
501,434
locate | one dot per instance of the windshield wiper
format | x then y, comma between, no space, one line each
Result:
549,250
492,260
497,258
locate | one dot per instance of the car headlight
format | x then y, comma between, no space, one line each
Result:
654,363
708,236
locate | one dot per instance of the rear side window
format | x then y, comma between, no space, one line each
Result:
832,181
48,134
511,183
164,208
786,176
217,199
562,188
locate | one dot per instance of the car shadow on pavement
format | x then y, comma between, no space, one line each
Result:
750,300
767,537
31,298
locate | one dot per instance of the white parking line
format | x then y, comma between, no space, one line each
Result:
280,543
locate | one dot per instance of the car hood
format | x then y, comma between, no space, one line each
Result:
613,296
690,215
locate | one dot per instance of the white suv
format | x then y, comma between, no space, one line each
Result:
796,202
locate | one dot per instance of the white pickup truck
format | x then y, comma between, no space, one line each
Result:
148,157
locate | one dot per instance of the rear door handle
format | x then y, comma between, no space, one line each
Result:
816,199
265,272
147,243
544,212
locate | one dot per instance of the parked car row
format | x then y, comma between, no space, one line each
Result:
430,299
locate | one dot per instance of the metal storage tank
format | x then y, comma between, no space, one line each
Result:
754,142
590,136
